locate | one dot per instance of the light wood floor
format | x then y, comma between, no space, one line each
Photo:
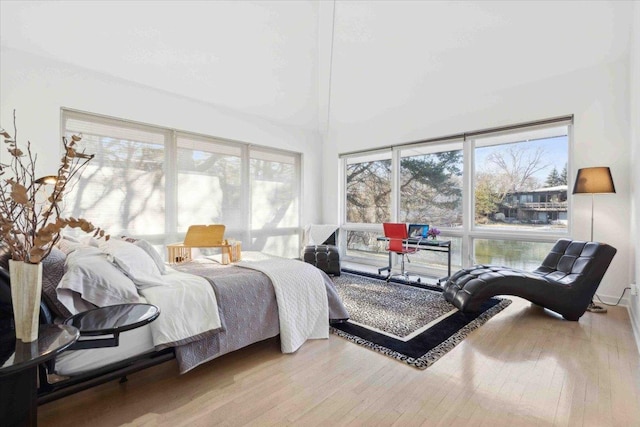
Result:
524,367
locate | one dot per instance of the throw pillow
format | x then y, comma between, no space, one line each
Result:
67,246
91,280
133,261
52,272
150,250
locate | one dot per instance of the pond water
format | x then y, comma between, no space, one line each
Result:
515,254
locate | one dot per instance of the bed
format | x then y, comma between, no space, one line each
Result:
207,309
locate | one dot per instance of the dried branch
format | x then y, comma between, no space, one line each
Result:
29,226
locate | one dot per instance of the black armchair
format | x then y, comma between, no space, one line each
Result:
565,282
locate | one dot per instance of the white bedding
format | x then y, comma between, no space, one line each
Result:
301,294
174,325
188,309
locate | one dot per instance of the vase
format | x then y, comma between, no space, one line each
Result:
26,289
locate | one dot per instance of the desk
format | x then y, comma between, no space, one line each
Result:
19,371
424,245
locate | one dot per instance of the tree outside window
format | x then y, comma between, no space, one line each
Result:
369,192
431,187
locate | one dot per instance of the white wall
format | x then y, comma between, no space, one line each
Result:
634,160
255,57
409,71
37,88
598,98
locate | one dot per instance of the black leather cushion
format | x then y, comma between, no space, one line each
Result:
565,282
5,256
325,257
6,308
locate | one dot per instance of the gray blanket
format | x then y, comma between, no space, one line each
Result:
248,310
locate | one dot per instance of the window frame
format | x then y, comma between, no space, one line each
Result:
468,232
170,168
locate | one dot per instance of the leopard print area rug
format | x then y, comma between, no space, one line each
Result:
410,322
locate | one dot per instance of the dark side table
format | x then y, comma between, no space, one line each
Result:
108,322
19,370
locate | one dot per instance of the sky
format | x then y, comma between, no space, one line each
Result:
556,152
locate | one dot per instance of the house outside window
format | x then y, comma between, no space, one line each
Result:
521,179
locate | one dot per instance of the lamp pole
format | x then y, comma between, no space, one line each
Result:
591,217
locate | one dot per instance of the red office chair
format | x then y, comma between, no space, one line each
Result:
397,235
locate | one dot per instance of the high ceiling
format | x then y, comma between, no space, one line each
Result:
272,58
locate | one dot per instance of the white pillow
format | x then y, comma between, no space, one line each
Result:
150,250
90,279
89,241
67,246
68,237
133,261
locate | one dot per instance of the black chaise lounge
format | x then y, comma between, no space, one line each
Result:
565,282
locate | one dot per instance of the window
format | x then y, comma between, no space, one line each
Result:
274,189
429,191
431,185
209,183
500,196
275,201
368,189
123,187
367,203
153,182
521,180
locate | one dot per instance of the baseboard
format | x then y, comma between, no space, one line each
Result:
633,317
635,321
613,300
635,325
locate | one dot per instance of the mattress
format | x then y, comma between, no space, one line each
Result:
132,343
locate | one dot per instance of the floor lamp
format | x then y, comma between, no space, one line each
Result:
595,180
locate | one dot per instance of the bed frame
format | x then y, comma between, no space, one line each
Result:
49,391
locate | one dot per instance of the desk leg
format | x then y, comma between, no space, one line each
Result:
18,406
442,280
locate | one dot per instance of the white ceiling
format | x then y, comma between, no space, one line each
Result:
263,57
256,57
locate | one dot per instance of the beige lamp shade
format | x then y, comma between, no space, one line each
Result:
594,180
